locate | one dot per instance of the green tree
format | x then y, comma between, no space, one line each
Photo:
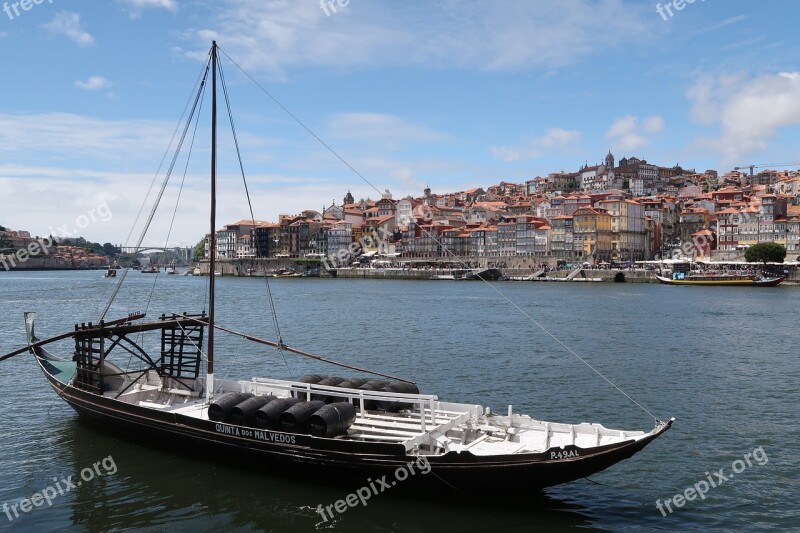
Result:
110,250
3,228
765,252
199,250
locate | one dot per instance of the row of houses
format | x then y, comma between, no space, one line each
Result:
604,227
653,211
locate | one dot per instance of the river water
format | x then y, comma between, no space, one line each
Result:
723,361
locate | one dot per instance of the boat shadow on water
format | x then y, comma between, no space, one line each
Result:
153,488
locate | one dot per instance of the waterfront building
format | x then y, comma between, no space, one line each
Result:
243,248
592,234
229,237
340,236
728,222
266,240
562,237
772,219
318,241
793,238
483,241
691,221
507,238
627,229
532,236
456,242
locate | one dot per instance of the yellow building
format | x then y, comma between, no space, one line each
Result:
592,230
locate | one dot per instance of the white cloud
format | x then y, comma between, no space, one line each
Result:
389,130
170,5
68,24
748,112
629,133
708,94
653,124
555,138
274,34
75,136
94,83
55,167
137,6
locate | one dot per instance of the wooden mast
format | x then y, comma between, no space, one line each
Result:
213,235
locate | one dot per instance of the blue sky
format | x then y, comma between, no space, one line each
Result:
451,93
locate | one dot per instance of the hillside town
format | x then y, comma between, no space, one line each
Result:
18,249
605,213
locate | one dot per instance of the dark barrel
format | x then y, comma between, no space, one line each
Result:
269,416
244,414
312,378
220,410
332,420
331,382
352,383
295,418
397,386
349,383
372,386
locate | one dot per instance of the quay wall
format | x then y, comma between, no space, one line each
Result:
241,267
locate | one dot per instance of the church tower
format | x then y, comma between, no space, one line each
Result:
609,160
348,199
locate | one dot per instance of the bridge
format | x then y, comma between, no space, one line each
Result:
184,254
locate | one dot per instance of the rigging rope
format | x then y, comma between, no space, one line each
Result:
444,247
164,183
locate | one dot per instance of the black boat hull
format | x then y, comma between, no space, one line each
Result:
304,455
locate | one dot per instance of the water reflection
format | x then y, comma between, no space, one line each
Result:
154,488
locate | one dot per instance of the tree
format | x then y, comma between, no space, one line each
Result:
110,250
3,228
765,252
200,250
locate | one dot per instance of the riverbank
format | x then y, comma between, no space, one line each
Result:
579,276
261,267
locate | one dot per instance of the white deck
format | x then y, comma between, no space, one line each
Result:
430,427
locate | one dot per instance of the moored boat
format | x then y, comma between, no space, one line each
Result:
683,274
150,270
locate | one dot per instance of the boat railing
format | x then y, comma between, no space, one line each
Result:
420,402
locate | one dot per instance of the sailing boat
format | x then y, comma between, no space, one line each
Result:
316,425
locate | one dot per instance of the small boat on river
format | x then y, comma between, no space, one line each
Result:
684,274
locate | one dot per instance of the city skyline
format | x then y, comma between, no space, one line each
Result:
411,95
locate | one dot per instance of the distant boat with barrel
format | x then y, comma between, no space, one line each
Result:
684,274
